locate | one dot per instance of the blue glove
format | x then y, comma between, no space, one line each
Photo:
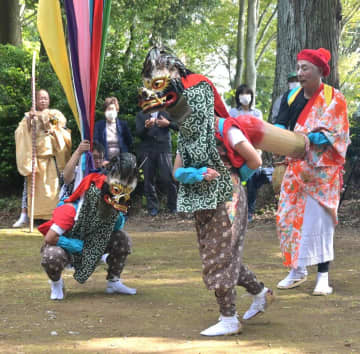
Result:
73,245
245,172
190,175
318,138
282,126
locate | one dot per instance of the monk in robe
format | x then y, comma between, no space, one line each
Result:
53,149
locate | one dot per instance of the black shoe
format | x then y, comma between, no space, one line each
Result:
153,212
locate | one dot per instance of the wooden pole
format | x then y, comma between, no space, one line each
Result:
33,131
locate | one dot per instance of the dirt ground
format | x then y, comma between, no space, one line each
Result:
172,305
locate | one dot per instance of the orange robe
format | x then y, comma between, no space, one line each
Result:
319,174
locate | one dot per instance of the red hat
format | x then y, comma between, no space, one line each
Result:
319,57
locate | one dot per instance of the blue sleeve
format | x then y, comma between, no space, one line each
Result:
190,175
318,138
245,172
72,245
282,126
120,222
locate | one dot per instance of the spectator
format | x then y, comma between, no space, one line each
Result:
71,176
112,133
155,154
244,99
293,82
53,148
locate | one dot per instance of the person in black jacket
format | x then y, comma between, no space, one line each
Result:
155,154
112,133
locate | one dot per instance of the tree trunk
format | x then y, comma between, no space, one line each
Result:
306,24
251,32
10,29
127,55
240,46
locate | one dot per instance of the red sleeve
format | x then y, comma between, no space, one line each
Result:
250,126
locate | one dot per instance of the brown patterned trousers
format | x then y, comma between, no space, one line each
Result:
54,259
221,244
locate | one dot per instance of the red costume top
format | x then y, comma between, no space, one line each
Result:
250,126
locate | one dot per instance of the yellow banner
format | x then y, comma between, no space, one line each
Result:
51,31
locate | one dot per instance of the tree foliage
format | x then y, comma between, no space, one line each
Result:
349,61
207,35
14,84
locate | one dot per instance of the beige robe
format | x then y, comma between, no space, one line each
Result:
53,141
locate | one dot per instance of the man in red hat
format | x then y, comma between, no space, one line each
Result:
310,191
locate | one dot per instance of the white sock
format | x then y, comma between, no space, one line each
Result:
116,286
322,279
104,257
57,292
233,318
22,220
23,216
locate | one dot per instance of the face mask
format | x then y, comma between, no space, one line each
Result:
292,85
110,116
245,99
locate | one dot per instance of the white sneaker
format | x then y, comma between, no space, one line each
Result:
260,303
57,290
22,221
227,325
104,258
118,287
322,285
294,278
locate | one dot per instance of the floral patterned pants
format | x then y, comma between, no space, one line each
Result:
220,245
54,259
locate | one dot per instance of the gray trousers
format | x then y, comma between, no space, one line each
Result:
54,259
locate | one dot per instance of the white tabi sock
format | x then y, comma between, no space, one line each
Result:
322,284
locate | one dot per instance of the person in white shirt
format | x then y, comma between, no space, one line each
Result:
244,98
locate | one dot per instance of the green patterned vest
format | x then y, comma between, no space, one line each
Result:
95,230
197,148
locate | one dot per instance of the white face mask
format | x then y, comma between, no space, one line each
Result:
292,85
110,115
245,99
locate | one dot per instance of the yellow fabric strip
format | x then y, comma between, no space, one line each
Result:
328,94
293,95
51,31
